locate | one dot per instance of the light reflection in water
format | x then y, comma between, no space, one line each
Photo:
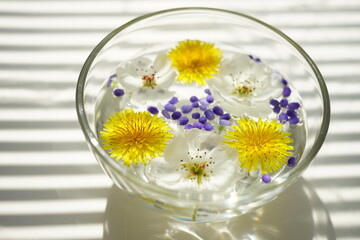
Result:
298,213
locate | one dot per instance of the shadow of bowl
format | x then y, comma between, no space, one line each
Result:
297,213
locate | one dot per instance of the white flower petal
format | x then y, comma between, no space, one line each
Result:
166,80
176,150
149,96
130,83
162,63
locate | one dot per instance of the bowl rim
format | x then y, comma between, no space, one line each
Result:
95,145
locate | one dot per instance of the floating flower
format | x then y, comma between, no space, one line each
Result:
147,80
135,137
195,61
247,84
260,145
195,160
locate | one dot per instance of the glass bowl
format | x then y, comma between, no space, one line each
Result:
232,32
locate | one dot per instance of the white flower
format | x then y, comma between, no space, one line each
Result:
146,80
195,160
246,84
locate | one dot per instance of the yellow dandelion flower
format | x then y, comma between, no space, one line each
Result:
195,60
135,137
260,145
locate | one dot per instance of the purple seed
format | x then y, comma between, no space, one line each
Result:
209,99
209,114
283,118
208,126
293,105
202,119
291,161
183,120
173,100
119,92
226,116
291,113
276,109
176,115
153,110
195,104
198,125
194,99
195,115
224,122
170,107
274,102
218,111
165,114
188,126
186,108
207,91
286,91
284,82
283,102
266,178
294,120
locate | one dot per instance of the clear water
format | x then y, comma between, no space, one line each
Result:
160,173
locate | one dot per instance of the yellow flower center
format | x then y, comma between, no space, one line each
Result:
196,171
135,137
243,91
149,80
195,61
260,145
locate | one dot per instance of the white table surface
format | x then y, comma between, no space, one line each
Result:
50,184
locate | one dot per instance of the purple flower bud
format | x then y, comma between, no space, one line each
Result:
195,115
188,126
165,114
208,126
266,178
218,110
198,125
283,118
209,114
291,161
195,104
209,99
276,109
294,120
119,92
293,105
284,82
283,102
202,119
286,92
183,120
173,100
194,99
207,91
274,102
226,116
186,108
291,113
224,122
170,107
176,115
153,110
